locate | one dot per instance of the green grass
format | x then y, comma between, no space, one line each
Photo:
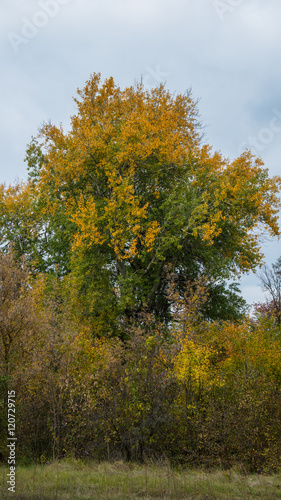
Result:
76,480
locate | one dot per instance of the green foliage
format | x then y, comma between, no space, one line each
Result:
197,393
129,190
120,332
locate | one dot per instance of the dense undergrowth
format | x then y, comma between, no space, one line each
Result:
197,393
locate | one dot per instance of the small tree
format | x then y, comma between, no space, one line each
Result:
270,279
41,374
16,305
16,319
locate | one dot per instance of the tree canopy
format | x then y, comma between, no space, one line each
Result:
131,191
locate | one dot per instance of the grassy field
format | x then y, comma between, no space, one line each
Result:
75,480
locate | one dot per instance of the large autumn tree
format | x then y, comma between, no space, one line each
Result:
130,192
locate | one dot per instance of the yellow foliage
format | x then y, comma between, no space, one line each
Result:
134,177
192,363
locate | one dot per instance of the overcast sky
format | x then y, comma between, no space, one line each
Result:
228,51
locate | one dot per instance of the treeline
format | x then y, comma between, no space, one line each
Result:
195,392
120,332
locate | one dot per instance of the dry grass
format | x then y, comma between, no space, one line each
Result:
77,480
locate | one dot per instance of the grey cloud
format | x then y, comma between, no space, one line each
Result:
233,66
